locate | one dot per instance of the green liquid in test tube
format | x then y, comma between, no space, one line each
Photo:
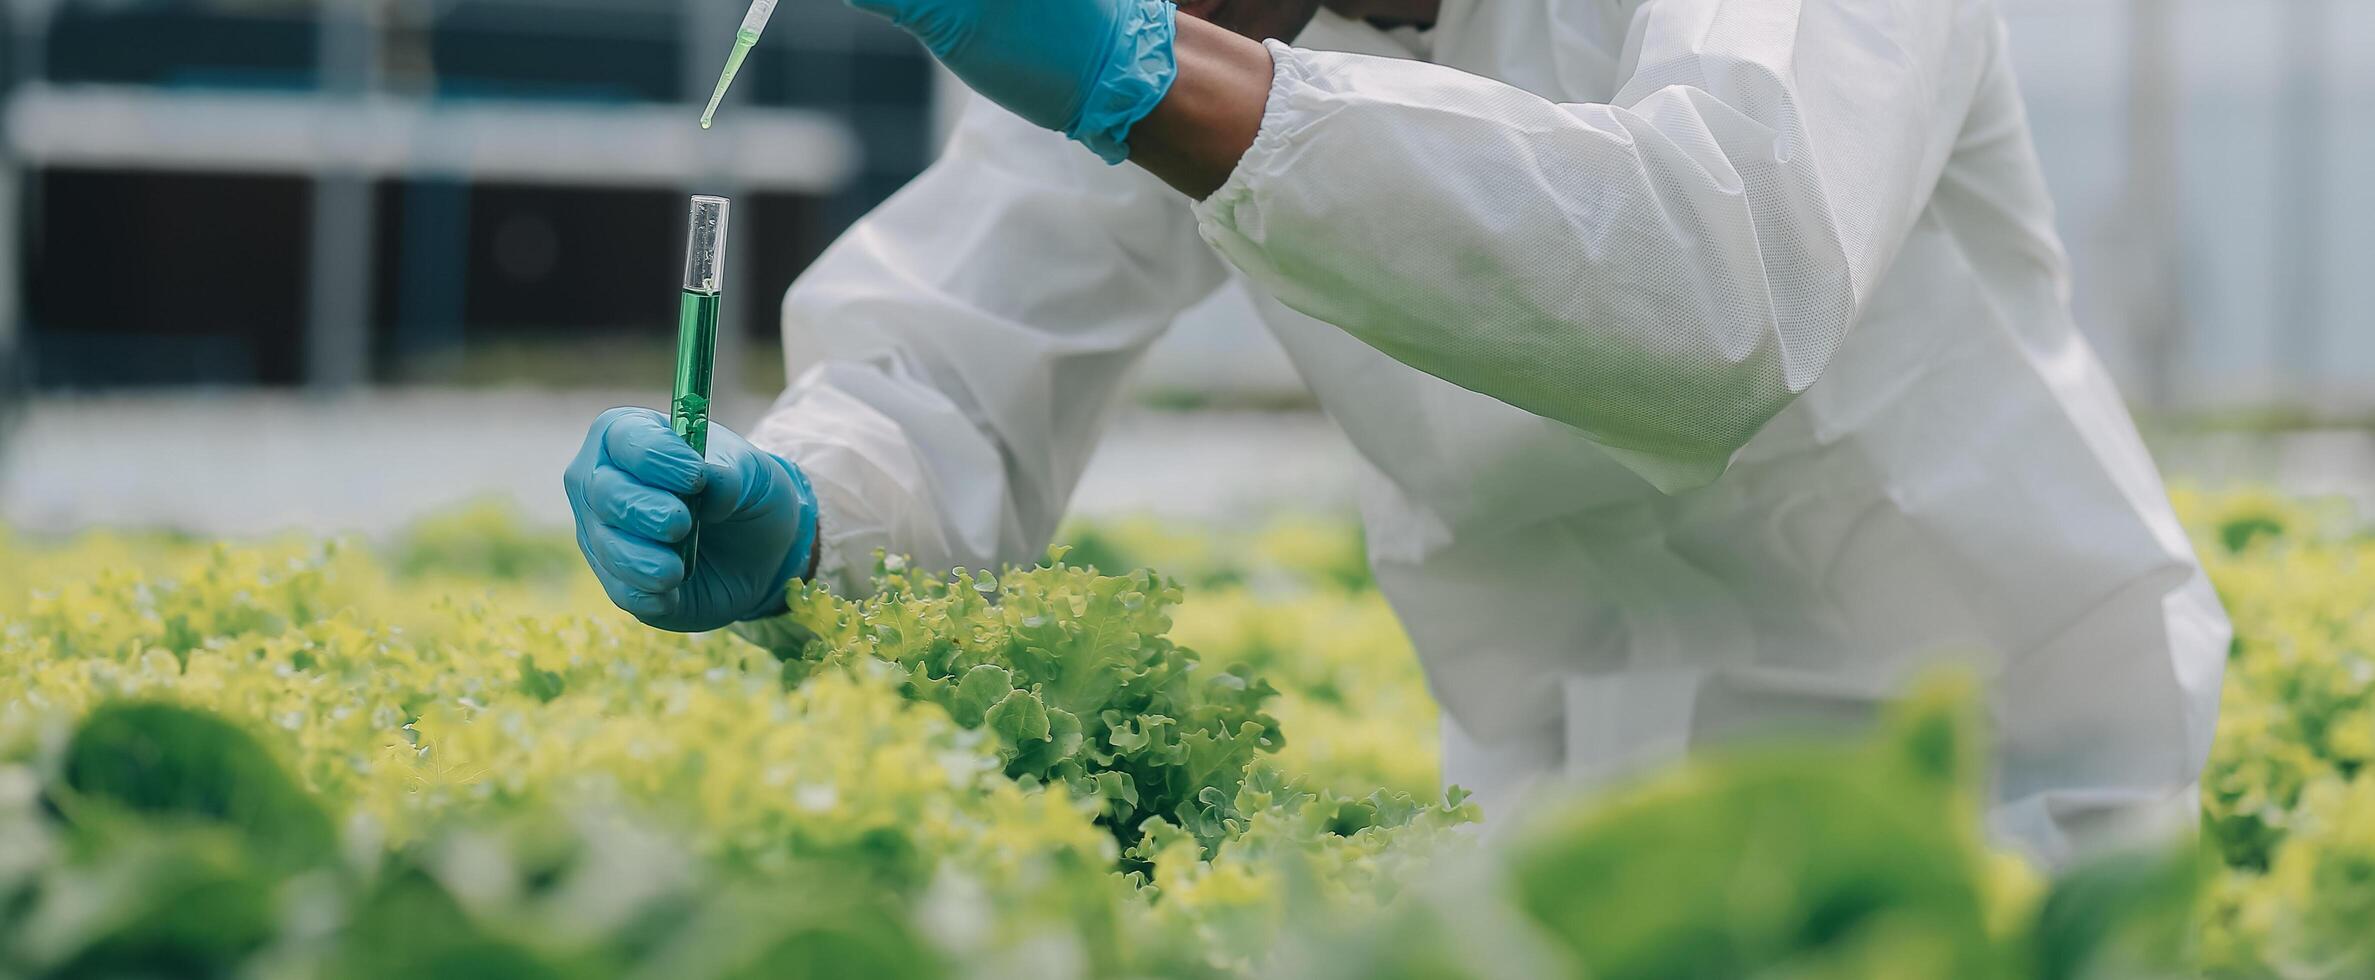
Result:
696,338
754,20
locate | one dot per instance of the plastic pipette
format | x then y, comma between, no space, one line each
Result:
754,20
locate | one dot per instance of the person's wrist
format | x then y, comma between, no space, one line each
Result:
1212,112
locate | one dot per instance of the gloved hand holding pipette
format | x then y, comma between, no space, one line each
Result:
1090,69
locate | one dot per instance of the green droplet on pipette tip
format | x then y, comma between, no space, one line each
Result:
743,40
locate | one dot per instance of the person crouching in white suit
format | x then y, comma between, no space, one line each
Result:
1711,362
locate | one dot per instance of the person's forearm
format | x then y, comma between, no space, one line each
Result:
1208,119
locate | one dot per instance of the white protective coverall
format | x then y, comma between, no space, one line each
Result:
1711,361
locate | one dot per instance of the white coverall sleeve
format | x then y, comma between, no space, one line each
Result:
1665,272
959,349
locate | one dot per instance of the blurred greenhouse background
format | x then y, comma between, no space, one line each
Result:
272,263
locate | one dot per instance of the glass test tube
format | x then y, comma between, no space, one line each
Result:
696,339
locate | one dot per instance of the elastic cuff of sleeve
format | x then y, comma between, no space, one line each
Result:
773,630
832,569
801,556
778,635
1132,83
1287,73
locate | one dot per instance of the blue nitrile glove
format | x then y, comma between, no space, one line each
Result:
628,487
1089,69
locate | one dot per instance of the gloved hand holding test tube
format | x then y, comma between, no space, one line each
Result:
686,524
